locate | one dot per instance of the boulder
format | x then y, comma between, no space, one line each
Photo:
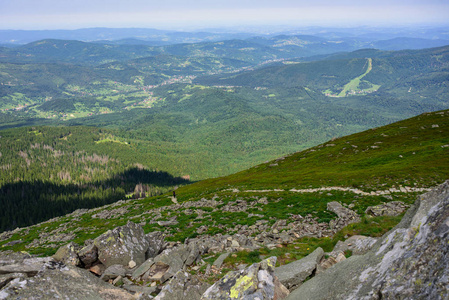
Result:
142,269
88,255
334,258
409,262
255,282
358,244
68,254
121,245
183,286
219,261
293,274
113,272
156,244
28,266
56,280
341,211
393,208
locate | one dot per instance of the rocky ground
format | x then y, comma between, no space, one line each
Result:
126,263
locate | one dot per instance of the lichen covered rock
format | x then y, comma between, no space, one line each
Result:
293,274
255,282
183,286
121,245
68,254
409,262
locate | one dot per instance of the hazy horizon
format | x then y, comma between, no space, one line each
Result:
179,15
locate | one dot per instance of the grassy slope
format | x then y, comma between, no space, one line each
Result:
410,153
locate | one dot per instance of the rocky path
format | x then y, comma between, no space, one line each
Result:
344,189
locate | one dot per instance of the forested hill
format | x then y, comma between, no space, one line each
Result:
51,171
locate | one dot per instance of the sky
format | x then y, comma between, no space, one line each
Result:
189,14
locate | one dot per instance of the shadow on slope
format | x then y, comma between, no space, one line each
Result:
26,203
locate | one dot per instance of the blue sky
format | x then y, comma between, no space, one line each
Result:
178,14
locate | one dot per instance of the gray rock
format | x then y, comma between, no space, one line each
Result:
142,269
255,282
358,244
159,271
55,280
409,262
28,266
88,255
362,245
219,261
141,290
6,278
183,286
68,254
174,259
293,274
341,211
113,272
156,244
393,208
121,245
170,222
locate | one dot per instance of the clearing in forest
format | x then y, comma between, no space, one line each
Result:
353,85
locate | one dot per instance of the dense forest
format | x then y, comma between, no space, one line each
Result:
51,171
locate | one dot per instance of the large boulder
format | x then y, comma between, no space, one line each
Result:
183,286
122,245
51,280
68,254
156,244
409,262
255,282
293,274
168,263
88,255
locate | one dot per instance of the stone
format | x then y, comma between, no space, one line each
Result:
156,244
170,222
97,269
88,255
158,271
6,278
341,211
183,286
68,254
219,261
358,244
131,264
113,272
118,281
255,282
293,274
56,280
141,290
142,269
28,266
393,208
121,245
409,262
